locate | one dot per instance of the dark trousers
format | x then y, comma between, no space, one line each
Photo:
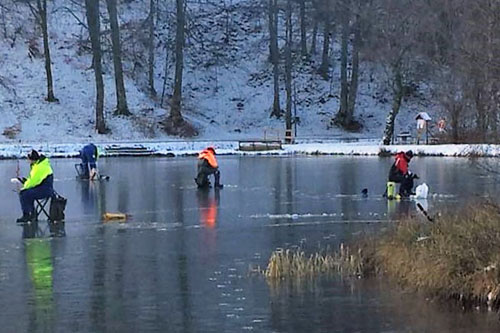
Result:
88,160
28,197
406,181
204,170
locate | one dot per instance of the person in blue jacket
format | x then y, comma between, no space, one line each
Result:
89,155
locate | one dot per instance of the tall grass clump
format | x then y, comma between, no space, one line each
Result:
457,257
287,264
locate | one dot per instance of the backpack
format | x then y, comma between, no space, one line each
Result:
57,206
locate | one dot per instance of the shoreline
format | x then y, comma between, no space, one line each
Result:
231,147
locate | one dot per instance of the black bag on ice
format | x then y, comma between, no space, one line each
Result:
57,206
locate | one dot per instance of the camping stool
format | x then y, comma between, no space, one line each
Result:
79,170
40,205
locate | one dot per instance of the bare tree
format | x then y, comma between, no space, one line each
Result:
394,45
175,123
175,107
316,21
151,47
288,66
303,40
349,90
274,55
92,12
121,107
40,14
343,116
328,27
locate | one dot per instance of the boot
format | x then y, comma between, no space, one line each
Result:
27,217
217,180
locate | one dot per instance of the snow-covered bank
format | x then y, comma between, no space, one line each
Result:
231,147
455,150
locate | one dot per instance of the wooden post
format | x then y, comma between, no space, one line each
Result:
288,136
426,132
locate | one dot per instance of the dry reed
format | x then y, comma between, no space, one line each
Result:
296,264
456,257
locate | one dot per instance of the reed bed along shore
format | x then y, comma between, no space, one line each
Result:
456,257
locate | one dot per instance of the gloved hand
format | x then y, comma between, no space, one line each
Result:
412,175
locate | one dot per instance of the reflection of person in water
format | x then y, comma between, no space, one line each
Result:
398,210
88,197
208,206
39,261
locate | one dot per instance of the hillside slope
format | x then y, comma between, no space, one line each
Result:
227,80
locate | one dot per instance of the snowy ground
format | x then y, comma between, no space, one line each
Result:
230,147
228,98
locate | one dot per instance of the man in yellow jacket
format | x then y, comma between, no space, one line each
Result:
38,185
207,165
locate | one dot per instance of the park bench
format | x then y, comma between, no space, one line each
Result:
259,145
114,150
404,137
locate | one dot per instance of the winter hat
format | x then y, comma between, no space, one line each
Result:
34,156
409,154
212,149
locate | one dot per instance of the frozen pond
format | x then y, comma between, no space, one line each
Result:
181,261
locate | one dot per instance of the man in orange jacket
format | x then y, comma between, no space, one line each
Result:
207,165
400,173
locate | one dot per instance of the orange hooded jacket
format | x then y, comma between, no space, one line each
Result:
208,154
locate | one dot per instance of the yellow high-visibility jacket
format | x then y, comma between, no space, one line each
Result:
40,170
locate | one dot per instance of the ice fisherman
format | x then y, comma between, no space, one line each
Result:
207,165
89,155
38,185
400,173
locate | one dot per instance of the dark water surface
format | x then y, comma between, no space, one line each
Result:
181,261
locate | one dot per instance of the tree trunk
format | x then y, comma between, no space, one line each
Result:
314,36
325,63
303,42
455,117
175,107
274,52
353,87
165,73
481,114
92,12
396,105
42,10
121,108
151,43
288,67
344,87
270,21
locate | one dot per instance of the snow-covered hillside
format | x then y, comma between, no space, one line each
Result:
227,86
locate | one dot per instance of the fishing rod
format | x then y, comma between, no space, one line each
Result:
419,205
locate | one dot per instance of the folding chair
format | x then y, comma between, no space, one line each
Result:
31,229
55,228
40,205
80,173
